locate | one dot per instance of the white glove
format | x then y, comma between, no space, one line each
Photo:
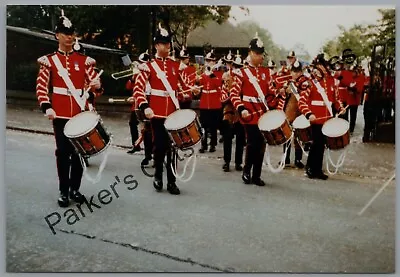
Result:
51,114
96,84
148,112
245,114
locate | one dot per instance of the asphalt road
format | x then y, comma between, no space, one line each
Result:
217,224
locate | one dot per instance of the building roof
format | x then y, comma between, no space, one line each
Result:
49,35
223,35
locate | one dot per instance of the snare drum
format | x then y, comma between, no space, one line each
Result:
183,128
337,134
302,129
87,134
274,127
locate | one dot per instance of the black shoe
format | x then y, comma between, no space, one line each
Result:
221,140
63,200
225,167
238,167
246,178
258,182
322,176
310,174
145,162
134,149
212,149
173,189
202,150
77,196
299,164
158,184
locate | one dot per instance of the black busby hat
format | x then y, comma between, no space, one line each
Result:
297,66
348,56
210,56
64,25
291,54
271,64
184,53
144,57
256,45
229,57
162,35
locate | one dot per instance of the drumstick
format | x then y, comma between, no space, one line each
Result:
345,108
183,91
112,100
90,105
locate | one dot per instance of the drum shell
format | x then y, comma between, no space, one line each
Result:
230,114
291,110
303,134
92,142
279,135
187,136
337,143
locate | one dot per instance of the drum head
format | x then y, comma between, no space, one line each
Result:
271,120
179,119
80,124
335,127
301,122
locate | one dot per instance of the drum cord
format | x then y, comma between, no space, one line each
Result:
97,178
174,164
301,146
338,164
175,156
281,166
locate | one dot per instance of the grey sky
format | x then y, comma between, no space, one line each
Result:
309,25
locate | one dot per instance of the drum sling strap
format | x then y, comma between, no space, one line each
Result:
256,85
322,92
64,75
167,85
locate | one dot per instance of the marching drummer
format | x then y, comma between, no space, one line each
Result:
163,76
67,71
318,110
252,88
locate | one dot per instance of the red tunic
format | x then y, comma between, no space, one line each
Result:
311,101
160,100
244,95
211,97
80,70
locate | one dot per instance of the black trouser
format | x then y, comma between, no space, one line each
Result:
369,120
209,120
228,131
69,167
148,140
353,117
255,150
298,153
316,154
133,123
162,148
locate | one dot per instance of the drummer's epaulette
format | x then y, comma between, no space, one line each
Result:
90,61
144,67
237,72
44,60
